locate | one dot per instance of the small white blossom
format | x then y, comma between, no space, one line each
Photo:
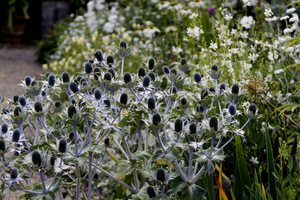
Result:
268,12
193,15
246,3
278,71
177,50
284,17
247,21
253,56
228,16
213,46
295,18
291,10
194,32
254,160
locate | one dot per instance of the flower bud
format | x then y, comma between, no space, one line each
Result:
96,176
97,73
16,135
222,86
2,145
156,119
5,111
193,128
178,125
4,128
232,109
73,101
106,142
151,103
213,123
227,104
197,77
82,80
33,83
52,160
99,55
17,111
43,93
160,175
151,192
71,111
71,135
62,146
113,73
235,88
97,94
123,44
107,76
38,107
36,158
124,98
16,98
27,80
212,89
107,102
146,81
200,108
174,71
151,63
166,69
14,173
88,68
22,101
127,77
183,61
65,77
214,67
183,101
141,72
253,108
57,104
51,80
109,59
74,87
204,93
152,76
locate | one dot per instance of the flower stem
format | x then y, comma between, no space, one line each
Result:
119,181
77,181
75,139
121,149
36,131
162,188
231,138
160,142
116,116
25,141
43,181
179,170
190,162
139,132
30,181
90,177
61,159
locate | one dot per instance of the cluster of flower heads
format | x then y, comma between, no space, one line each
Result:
107,122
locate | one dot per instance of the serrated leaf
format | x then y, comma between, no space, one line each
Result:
124,168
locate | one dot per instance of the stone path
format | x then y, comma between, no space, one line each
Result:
16,62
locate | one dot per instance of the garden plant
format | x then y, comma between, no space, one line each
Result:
205,109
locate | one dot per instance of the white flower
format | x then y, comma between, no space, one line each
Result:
278,71
185,11
287,30
213,46
253,2
162,5
108,27
253,56
268,12
291,10
177,49
193,15
194,32
228,16
246,3
284,17
247,21
171,29
254,160
295,18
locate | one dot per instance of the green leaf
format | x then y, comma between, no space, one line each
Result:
125,167
270,166
242,167
238,187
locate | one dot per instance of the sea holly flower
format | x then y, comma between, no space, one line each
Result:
152,193
151,64
184,66
88,68
18,116
123,50
111,63
14,176
27,80
161,175
51,80
213,125
235,94
215,72
99,56
251,112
